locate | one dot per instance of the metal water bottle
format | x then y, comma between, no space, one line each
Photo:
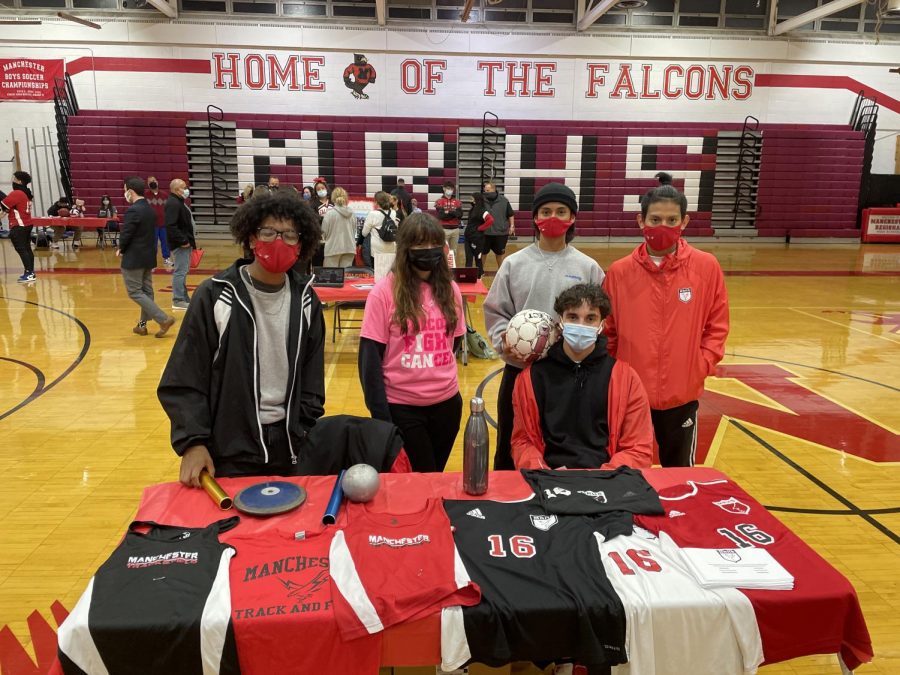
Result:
476,450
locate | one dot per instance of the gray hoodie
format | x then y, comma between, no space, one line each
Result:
339,231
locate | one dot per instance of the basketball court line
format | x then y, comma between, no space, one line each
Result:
853,509
824,370
854,328
40,391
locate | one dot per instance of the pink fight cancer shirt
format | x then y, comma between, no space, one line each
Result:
419,369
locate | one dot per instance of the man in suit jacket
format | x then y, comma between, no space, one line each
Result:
137,248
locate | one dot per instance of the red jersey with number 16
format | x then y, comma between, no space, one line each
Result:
821,615
389,568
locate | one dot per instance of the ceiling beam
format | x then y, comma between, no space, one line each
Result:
167,7
773,17
381,11
589,17
814,15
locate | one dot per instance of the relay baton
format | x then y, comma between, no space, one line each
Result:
215,491
334,503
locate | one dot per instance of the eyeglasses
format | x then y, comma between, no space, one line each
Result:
289,237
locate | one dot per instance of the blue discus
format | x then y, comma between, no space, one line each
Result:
270,498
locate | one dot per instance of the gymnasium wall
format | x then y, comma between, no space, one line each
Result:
576,106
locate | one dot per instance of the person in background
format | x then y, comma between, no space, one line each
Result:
382,251
274,184
180,231
61,204
246,195
156,198
322,195
339,232
404,199
415,205
474,234
77,211
17,206
503,226
450,212
137,248
107,210
412,324
245,381
307,193
669,320
532,279
579,408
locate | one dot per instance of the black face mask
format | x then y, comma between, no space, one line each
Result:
490,196
154,185
426,259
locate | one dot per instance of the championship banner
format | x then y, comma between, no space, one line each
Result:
881,225
29,79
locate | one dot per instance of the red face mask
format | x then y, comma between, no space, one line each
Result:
553,226
276,256
662,238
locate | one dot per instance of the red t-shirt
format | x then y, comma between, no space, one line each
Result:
18,206
389,568
821,615
282,610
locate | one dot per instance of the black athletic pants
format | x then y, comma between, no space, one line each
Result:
503,456
676,434
20,236
428,431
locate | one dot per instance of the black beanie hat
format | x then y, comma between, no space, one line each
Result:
555,192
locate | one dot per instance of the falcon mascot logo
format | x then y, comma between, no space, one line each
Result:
302,592
358,75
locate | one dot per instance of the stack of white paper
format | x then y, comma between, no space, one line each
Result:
737,568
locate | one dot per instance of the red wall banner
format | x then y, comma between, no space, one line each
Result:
28,79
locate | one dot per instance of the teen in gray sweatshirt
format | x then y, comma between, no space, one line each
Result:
532,279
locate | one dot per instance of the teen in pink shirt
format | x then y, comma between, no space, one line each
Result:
412,324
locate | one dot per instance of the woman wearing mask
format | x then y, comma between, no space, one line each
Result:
307,193
108,211
257,322
382,251
339,232
412,324
323,199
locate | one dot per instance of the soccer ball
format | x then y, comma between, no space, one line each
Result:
531,333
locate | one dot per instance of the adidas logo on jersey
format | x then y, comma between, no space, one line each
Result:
675,514
629,494
687,423
475,513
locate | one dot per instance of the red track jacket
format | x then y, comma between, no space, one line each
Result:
627,415
669,322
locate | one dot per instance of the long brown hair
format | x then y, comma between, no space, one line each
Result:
416,230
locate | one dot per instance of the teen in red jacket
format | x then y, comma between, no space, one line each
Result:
580,408
669,320
449,212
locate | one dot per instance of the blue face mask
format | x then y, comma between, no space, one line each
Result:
578,336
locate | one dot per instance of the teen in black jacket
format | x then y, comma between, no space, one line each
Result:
238,404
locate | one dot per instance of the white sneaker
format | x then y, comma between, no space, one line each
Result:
182,306
169,262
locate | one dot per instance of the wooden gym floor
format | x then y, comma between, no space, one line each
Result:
804,414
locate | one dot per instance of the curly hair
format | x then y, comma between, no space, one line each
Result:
283,206
417,230
575,296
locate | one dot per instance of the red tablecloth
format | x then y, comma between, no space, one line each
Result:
85,223
350,293
415,643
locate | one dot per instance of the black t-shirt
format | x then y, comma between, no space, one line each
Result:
594,491
545,596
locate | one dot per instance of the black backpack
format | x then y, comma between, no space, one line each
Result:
388,229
